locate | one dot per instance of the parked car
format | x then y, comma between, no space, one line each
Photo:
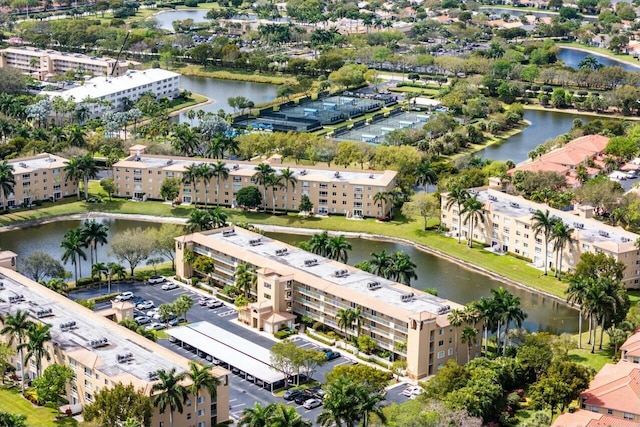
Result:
152,312
291,394
302,397
173,339
175,321
214,303
312,403
412,390
332,354
142,320
146,305
169,286
137,300
204,300
125,296
155,326
155,279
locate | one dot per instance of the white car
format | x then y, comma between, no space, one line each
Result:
125,296
153,312
155,326
146,305
412,390
156,279
312,403
169,286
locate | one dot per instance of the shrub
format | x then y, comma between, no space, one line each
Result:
318,326
283,333
191,3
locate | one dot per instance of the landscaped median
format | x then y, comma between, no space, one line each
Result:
409,231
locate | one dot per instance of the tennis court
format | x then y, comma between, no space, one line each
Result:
379,126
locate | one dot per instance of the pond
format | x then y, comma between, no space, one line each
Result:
572,57
221,90
544,125
165,19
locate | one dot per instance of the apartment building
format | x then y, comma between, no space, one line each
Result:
508,223
101,352
613,396
38,177
44,64
407,322
332,191
102,94
587,150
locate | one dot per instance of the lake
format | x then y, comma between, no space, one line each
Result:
572,57
165,19
451,281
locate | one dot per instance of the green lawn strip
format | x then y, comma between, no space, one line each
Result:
422,91
12,402
198,70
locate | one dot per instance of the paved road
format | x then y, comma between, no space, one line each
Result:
242,394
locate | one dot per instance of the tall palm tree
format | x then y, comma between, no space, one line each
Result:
275,182
319,244
89,170
381,264
115,270
576,294
512,313
404,270
205,172
368,403
381,198
38,335
97,270
340,404
191,176
501,298
246,279
543,223
220,171
456,319
288,180
17,326
287,416
76,135
262,177
485,307
73,173
468,337
425,176
201,379
169,392
7,181
218,218
456,196
72,245
94,233
473,211
345,319
257,416
339,248
562,236
199,220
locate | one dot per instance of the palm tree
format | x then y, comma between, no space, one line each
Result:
258,416
543,223
368,403
380,198
319,244
345,319
262,177
73,173
199,220
485,307
381,264
456,196
115,270
89,169
340,404
561,235
576,294
94,233
7,181
191,176
287,416
456,319
97,270
473,210
339,248
72,245
76,135
17,326
288,179
468,337
403,268
220,171
38,334
275,182
511,312
425,176
218,218
501,298
246,279
205,172
169,392
201,379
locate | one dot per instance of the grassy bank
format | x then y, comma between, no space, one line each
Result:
493,140
242,76
12,402
575,112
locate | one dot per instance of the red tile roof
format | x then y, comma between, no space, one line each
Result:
583,418
632,345
615,387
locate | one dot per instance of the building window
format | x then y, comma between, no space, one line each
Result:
450,352
441,354
627,416
88,372
200,412
267,296
440,343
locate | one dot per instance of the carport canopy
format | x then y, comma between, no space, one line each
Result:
221,350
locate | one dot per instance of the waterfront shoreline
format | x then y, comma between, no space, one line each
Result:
293,230
592,50
575,112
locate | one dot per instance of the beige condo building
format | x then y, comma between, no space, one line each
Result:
45,64
332,191
508,223
38,177
100,352
407,322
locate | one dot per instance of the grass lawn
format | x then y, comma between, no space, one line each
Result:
419,90
199,70
11,401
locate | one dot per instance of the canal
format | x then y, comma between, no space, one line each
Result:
451,281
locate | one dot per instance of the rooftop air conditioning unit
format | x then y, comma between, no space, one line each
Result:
372,286
336,174
407,297
444,309
44,313
236,167
281,252
310,262
255,242
303,172
228,233
342,273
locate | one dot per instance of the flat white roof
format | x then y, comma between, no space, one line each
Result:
41,161
229,348
99,87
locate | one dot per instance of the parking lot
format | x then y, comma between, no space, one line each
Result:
242,394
